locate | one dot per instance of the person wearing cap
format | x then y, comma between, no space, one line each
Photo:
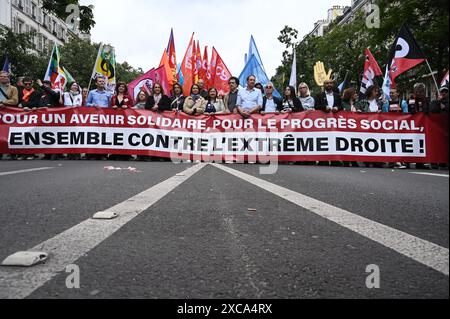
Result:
441,104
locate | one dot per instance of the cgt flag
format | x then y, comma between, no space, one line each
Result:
405,54
55,74
371,70
221,75
204,68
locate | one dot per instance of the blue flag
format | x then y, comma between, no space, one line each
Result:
6,65
253,50
343,85
254,68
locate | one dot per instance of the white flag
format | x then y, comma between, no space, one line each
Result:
293,80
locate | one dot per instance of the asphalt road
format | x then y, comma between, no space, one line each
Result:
219,236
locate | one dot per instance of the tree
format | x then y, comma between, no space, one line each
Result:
19,48
342,48
79,56
127,73
58,7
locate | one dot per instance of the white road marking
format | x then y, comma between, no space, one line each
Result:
422,251
25,171
67,247
430,174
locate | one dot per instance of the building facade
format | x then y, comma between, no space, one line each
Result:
25,16
321,27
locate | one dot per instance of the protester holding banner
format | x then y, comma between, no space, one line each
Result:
74,97
371,103
329,100
215,104
121,100
194,103
250,99
141,100
271,104
99,97
203,92
9,95
178,98
349,100
441,104
419,102
230,99
84,94
48,96
158,101
394,104
305,97
260,87
28,96
291,103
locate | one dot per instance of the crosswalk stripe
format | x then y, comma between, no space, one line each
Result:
422,251
25,171
70,245
430,174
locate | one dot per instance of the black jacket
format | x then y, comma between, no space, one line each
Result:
48,97
163,105
278,102
322,102
298,107
33,100
177,104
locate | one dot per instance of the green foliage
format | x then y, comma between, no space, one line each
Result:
23,61
58,7
127,73
342,49
77,56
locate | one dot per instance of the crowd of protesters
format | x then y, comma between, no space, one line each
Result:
253,98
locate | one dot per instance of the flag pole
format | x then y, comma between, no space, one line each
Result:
434,78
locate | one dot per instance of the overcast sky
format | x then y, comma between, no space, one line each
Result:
140,29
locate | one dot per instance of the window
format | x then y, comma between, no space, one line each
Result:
20,26
33,10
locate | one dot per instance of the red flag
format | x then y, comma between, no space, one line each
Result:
371,70
211,71
187,68
194,62
165,63
405,54
172,57
146,81
161,78
204,68
198,61
221,75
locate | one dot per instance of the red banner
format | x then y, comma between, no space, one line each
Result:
307,136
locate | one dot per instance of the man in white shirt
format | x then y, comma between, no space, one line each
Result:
250,99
